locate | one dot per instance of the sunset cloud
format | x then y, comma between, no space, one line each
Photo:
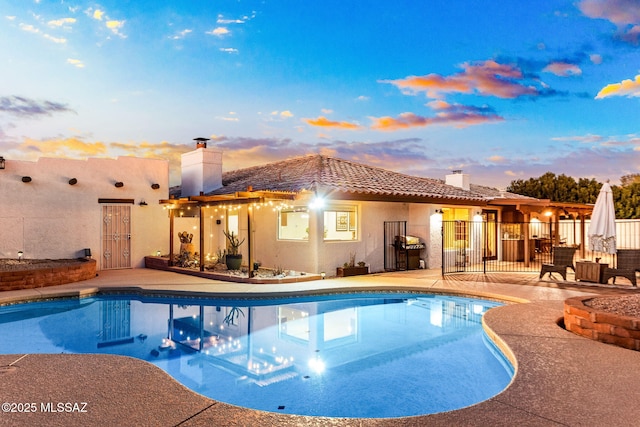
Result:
223,21
625,14
227,21
67,148
29,28
75,62
585,139
628,88
488,78
563,69
115,27
219,32
61,22
25,107
98,14
326,123
181,34
59,40
455,115
497,159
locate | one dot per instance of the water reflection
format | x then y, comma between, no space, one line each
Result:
267,344
305,357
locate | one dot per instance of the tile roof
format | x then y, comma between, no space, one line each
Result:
494,193
325,174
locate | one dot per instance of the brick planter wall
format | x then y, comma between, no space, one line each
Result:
12,280
609,328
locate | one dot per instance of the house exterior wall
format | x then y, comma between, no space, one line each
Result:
48,218
317,255
426,224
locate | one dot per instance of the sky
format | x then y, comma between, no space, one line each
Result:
501,89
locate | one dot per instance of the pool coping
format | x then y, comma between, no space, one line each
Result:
552,386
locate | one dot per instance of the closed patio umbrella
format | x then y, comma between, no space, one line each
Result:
602,230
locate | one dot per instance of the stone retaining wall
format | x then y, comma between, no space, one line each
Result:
12,280
609,328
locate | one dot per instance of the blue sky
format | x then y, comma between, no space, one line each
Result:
502,89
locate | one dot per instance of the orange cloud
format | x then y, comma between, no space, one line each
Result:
628,88
324,122
66,148
563,69
497,159
446,115
487,78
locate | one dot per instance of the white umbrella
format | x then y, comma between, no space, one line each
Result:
602,230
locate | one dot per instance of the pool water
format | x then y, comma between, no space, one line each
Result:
360,355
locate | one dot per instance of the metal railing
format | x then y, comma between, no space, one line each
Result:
476,246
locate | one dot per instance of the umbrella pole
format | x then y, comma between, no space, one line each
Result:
583,233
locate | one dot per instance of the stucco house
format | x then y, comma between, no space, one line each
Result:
307,214
106,209
315,213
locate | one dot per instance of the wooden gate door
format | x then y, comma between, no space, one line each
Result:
116,237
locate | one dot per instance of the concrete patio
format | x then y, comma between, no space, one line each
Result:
561,378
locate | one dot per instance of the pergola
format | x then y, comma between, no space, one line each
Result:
551,209
199,203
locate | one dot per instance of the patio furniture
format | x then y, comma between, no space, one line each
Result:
628,262
589,271
562,259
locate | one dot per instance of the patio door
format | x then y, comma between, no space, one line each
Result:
116,236
490,234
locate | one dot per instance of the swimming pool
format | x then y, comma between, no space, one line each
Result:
357,355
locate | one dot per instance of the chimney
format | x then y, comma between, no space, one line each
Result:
458,179
201,169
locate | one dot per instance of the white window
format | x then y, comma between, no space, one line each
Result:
341,223
293,224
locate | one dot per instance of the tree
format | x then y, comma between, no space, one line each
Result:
630,179
564,188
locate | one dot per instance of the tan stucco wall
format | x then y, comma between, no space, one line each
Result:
317,255
49,218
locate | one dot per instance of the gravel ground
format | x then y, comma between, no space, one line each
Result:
627,305
34,264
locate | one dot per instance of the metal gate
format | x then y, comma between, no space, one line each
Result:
489,246
394,258
116,237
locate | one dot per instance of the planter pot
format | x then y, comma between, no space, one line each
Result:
187,247
351,271
234,262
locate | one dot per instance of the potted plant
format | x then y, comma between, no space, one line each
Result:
233,258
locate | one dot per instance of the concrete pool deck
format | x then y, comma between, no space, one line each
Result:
561,379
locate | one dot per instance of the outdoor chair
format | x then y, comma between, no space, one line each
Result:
562,259
626,266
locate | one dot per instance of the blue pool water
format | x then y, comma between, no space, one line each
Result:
360,355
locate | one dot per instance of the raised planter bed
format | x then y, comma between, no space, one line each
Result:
351,271
161,263
53,273
605,327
